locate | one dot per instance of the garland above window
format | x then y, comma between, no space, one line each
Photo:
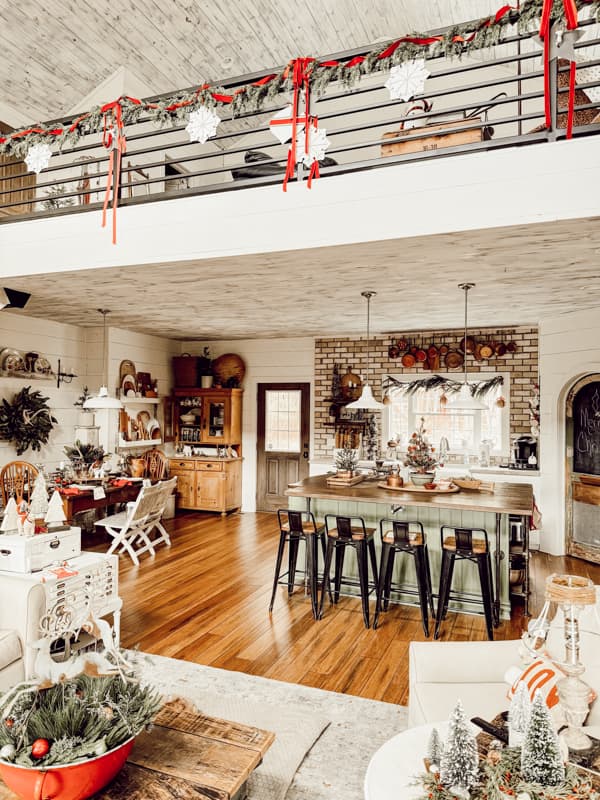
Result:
480,389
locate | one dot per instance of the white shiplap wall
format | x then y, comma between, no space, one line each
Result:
569,349
267,361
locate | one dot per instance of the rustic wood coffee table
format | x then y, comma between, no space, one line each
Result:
188,756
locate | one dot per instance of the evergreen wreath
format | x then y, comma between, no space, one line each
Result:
76,719
26,421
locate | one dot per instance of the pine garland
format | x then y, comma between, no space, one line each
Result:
80,718
478,390
174,110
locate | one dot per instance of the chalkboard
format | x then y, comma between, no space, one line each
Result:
586,429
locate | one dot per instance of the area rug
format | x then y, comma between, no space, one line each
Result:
324,740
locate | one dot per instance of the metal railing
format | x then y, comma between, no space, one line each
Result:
482,102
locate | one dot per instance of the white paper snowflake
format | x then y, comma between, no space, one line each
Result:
407,79
38,157
317,144
202,124
283,130
589,75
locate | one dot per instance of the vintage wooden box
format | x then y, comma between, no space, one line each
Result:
436,138
25,554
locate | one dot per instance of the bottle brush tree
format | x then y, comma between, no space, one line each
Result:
419,454
541,761
435,750
459,766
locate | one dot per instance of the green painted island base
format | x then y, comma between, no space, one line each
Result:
466,577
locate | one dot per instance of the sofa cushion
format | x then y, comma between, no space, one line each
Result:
434,702
10,648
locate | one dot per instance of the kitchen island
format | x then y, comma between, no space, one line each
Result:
488,510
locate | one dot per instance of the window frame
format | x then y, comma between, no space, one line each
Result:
472,377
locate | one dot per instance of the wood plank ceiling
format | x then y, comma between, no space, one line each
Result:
55,53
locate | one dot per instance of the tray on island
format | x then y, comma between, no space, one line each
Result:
332,480
409,487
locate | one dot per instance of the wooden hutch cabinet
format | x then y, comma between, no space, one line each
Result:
211,417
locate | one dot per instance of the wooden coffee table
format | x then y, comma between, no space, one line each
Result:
188,756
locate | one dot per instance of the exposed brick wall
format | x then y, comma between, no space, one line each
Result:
522,366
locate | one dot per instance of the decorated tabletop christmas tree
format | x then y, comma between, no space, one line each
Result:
459,766
541,761
419,456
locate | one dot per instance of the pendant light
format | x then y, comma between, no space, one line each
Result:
464,400
366,399
103,399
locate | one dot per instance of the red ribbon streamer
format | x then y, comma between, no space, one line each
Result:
113,139
301,71
572,23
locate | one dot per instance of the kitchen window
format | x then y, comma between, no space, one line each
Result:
464,430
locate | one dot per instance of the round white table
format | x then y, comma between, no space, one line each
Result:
392,770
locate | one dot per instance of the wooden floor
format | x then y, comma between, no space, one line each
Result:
206,599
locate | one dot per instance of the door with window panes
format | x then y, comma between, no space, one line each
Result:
283,430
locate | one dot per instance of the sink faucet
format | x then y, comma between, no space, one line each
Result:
443,449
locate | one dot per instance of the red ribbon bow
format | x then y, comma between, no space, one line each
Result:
572,22
301,72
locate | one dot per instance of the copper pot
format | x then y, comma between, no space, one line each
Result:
394,480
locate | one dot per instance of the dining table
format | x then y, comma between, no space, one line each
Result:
78,498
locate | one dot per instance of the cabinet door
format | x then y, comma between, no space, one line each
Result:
216,415
186,488
210,490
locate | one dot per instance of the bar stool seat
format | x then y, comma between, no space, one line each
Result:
342,532
467,544
357,533
307,526
404,537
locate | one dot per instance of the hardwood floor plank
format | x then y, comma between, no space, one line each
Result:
206,599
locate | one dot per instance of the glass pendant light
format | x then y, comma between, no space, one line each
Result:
103,399
464,400
366,399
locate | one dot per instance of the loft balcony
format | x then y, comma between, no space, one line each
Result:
483,102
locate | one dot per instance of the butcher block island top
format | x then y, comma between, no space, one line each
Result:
507,498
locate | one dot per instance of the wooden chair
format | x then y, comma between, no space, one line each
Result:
16,479
131,529
157,465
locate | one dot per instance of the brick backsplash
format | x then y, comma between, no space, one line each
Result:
522,366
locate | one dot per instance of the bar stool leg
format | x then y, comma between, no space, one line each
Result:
373,558
312,569
388,579
445,583
451,562
421,570
429,589
280,550
485,579
293,560
363,576
323,540
326,582
385,554
340,552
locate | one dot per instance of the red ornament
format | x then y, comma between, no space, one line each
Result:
9,722
40,748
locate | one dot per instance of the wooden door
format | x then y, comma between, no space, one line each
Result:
283,437
583,469
210,489
186,488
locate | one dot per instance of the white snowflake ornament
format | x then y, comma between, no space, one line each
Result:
38,157
202,124
317,145
281,125
407,79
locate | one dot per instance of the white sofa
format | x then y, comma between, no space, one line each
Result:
440,673
21,608
12,668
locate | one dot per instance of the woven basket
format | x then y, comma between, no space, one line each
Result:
229,369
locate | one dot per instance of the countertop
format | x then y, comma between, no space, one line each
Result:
202,458
507,498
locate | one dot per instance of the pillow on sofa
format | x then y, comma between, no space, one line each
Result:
541,675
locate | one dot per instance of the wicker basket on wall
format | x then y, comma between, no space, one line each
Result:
229,370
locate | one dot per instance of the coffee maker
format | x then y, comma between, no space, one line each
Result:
524,453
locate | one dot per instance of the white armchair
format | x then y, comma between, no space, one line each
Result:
440,673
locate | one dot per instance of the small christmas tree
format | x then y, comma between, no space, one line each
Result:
541,761
459,763
55,516
346,459
10,520
38,503
435,750
419,455
518,715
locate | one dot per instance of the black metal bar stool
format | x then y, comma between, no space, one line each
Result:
294,527
465,546
404,537
343,532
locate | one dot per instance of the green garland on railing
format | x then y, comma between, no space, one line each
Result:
455,42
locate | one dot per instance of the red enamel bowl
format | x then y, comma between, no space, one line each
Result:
68,782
